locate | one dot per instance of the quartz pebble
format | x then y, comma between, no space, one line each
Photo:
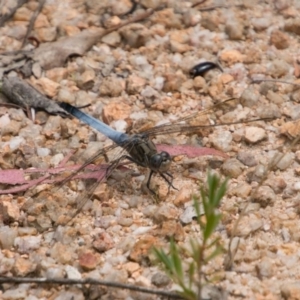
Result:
232,168
160,279
279,39
247,159
254,134
265,196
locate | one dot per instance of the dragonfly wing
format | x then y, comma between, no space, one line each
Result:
182,125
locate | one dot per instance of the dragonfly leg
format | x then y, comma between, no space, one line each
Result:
167,180
148,183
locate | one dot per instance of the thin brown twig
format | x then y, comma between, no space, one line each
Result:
274,80
198,3
208,8
66,281
32,21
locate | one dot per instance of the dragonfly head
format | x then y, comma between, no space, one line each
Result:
160,162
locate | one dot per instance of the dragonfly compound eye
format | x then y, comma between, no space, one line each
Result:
160,161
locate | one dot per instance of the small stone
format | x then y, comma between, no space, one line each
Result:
232,168
276,98
285,161
231,57
14,294
49,87
222,141
172,229
74,295
150,210
22,14
234,30
42,152
112,86
15,143
126,222
166,212
173,82
41,21
6,265
103,242
242,190
183,196
211,22
150,3
86,80
248,225
55,273
9,211
4,121
141,249
278,68
72,273
290,290
292,25
52,128
7,237
265,196
46,34
112,39
135,84
160,279
143,281
121,7
191,17
265,87
188,215
260,24
265,268
296,96
135,35
200,83
247,159
168,18
254,134
131,267
115,111
62,253
56,159
179,41
65,95
89,260
12,128
278,184
69,30
24,267
270,110
279,39
111,21
57,74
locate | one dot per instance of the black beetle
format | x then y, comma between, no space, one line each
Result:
202,68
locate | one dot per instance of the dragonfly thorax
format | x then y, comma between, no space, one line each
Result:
160,162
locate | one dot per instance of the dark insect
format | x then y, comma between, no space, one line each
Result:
202,68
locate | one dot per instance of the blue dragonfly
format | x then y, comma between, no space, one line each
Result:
139,148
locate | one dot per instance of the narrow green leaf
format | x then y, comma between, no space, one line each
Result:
215,253
191,273
176,259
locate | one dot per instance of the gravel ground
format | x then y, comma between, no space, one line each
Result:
139,76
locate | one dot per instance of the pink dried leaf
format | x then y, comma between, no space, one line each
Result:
190,151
